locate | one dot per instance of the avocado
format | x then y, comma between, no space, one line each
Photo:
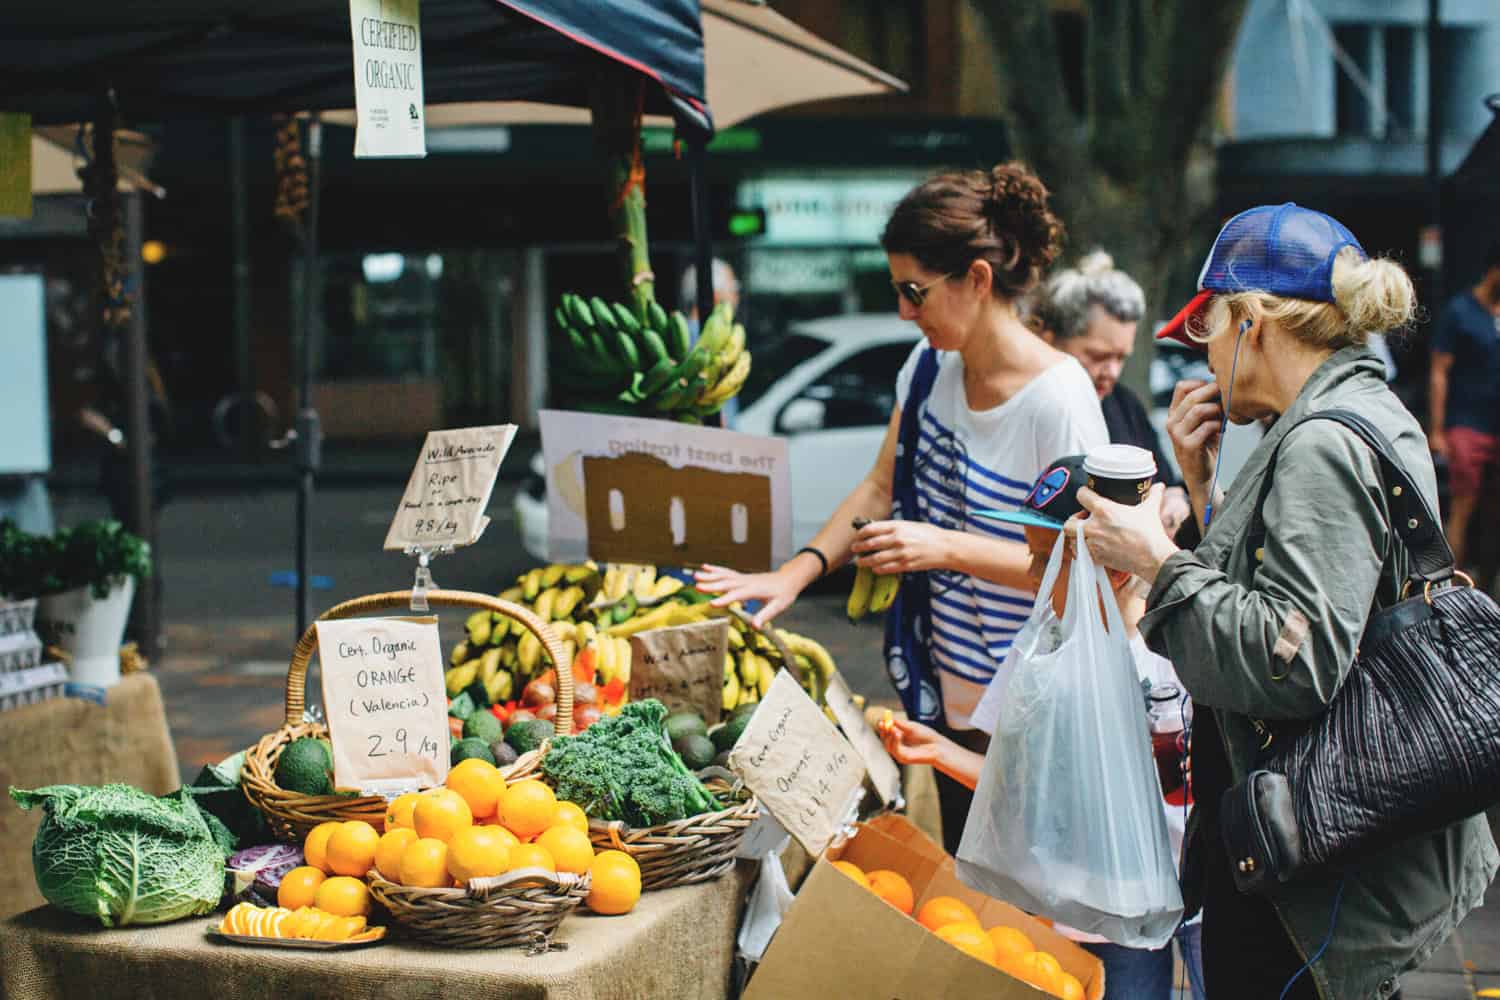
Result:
722,759
306,767
505,754
471,746
680,724
528,734
746,710
483,725
728,734
695,750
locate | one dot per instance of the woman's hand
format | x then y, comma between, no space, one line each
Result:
777,589
903,547
1124,538
913,743
1193,423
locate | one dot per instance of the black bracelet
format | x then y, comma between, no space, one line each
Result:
814,552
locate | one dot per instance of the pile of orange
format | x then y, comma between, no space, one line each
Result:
955,922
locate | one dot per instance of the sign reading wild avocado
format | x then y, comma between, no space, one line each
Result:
387,710
389,112
449,488
681,666
799,765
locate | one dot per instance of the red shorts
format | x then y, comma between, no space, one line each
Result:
1469,452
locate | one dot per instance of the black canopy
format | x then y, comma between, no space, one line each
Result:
167,58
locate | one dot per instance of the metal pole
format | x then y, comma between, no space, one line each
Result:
703,244
239,239
138,443
1435,148
309,433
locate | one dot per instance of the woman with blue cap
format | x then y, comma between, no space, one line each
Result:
1262,634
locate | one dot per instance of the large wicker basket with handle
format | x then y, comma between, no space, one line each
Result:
696,849
291,814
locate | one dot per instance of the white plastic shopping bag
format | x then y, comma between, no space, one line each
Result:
1067,820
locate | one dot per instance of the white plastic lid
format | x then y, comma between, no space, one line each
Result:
1119,461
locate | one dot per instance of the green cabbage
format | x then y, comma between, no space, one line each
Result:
126,857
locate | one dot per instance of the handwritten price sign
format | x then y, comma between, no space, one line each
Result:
798,764
387,710
449,488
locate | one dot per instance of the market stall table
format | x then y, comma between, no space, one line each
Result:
73,741
677,943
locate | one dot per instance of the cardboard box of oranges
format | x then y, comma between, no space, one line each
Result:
882,914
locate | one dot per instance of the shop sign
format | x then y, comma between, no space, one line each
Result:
449,488
798,272
386,705
390,116
824,211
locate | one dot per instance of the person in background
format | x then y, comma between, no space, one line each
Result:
1129,973
993,403
1463,399
1093,312
1263,635
726,289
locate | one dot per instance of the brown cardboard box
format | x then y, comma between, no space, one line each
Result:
839,940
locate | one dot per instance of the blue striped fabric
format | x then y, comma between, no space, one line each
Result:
973,621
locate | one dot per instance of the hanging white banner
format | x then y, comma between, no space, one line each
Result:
390,118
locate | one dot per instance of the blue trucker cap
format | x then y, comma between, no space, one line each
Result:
1053,497
1285,250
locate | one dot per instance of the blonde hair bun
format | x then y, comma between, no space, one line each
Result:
1374,293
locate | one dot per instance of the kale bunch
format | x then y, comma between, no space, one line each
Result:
623,768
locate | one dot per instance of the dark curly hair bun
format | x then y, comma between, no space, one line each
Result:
999,216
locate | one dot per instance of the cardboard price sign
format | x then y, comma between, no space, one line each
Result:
884,774
798,764
387,709
682,666
449,488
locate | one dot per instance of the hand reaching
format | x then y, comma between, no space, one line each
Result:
777,589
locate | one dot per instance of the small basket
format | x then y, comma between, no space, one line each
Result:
291,815
696,849
518,908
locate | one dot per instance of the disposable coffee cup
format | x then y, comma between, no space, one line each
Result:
1120,472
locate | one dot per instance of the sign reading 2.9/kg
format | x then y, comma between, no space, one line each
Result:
387,709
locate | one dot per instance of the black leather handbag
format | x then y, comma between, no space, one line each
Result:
1411,741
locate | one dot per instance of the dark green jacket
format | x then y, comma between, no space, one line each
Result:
1270,636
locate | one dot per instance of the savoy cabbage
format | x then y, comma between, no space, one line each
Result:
126,857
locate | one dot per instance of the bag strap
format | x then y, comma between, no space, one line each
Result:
905,479
1412,520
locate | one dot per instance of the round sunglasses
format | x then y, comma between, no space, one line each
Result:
917,294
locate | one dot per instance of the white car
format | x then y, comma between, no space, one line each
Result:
827,385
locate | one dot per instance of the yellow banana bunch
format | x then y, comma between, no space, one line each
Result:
552,573
544,603
731,696
528,653
567,601
859,596
884,592
644,583
531,585
478,626
457,678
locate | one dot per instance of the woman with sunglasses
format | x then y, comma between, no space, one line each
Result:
990,404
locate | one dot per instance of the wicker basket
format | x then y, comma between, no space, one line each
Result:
696,849
290,814
522,907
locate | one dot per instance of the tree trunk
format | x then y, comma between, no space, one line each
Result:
616,102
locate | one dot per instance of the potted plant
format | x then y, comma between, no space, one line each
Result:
84,578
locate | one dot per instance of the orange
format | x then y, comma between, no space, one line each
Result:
853,871
477,852
1009,941
1069,988
531,856
571,814
315,847
891,887
392,846
298,887
398,812
616,883
441,813
1038,968
343,896
479,783
425,864
940,910
351,848
970,939
569,847
527,808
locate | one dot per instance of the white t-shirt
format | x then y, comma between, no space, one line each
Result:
969,460
1157,677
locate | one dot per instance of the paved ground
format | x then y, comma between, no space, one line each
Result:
229,632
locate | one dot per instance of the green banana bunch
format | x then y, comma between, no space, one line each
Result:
618,360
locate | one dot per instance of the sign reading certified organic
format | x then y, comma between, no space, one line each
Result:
390,117
387,709
449,488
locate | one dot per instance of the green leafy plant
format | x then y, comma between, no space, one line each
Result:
94,554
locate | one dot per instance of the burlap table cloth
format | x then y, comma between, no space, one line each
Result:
73,741
677,944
